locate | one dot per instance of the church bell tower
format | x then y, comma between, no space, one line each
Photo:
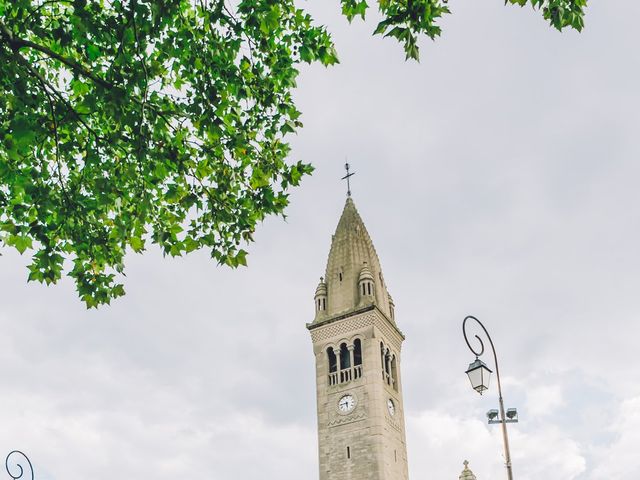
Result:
357,345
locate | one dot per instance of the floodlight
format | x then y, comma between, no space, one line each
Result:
492,414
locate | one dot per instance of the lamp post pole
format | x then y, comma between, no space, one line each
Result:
503,420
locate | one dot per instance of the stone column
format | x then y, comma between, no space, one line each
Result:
351,348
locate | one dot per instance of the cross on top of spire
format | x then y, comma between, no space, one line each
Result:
347,177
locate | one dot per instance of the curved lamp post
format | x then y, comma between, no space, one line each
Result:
479,375
16,468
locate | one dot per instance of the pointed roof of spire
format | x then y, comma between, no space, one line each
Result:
351,251
467,474
321,290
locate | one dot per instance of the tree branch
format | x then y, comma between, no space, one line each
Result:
42,5
18,43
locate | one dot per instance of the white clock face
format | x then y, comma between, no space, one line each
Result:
392,407
346,403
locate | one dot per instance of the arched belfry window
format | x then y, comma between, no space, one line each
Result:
385,355
394,372
345,357
345,362
357,358
332,363
332,359
357,352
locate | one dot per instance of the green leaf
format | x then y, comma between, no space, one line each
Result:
137,244
167,124
20,242
241,258
22,132
259,179
93,52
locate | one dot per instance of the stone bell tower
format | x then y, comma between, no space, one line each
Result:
357,345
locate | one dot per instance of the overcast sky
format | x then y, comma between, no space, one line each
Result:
497,177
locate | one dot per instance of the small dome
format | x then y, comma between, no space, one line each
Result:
321,290
365,273
467,474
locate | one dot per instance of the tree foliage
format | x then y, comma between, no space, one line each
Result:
129,122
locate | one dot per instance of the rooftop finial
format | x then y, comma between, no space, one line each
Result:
347,177
467,474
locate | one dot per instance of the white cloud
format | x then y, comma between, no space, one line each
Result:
543,392
547,452
498,177
439,442
620,458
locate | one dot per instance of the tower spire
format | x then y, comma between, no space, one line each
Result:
353,255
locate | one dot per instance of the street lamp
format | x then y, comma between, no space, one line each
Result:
479,375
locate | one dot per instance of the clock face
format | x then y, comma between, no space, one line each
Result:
392,407
346,403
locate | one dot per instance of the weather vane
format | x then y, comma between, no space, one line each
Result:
347,177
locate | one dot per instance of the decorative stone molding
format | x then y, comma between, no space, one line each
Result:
394,422
354,417
347,326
